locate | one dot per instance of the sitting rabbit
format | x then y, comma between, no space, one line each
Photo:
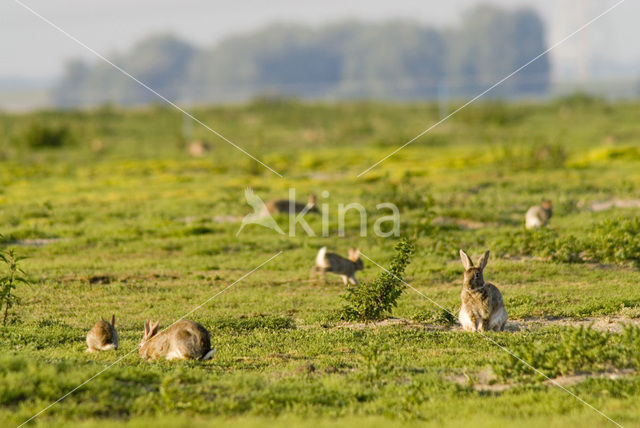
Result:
103,336
184,340
538,215
331,262
482,307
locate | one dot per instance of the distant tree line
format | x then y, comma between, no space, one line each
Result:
393,60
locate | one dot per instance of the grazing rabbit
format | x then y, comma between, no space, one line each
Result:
184,340
482,307
538,215
331,262
291,207
103,336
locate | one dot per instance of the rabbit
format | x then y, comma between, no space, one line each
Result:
103,336
331,262
184,340
538,215
482,307
291,207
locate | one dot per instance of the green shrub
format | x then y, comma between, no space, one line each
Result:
374,301
42,136
9,282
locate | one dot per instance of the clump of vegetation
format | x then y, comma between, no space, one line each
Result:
439,316
531,157
374,359
244,324
9,282
615,240
406,194
576,350
48,136
374,301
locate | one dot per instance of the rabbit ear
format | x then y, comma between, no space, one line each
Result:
356,253
113,320
466,260
146,328
482,261
154,327
102,318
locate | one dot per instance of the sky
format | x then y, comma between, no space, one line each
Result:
32,49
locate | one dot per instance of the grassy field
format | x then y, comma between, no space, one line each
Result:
119,219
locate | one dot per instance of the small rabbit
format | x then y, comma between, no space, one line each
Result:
184,340
289,207
538,215
482,307
331,262
103,336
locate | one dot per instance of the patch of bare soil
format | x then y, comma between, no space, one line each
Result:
101,279
611,324
37,242
223,218
487,381
615,203
463,223
402,322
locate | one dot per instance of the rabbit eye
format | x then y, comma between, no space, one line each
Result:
477,275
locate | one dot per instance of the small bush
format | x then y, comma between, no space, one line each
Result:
41,136
374,301
9,282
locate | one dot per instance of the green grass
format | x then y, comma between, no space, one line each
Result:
135,229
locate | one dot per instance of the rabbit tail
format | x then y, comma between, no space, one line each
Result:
209,355
321,259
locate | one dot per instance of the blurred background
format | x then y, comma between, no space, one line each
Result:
198,52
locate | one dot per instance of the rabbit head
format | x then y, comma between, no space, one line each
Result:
150,330
354,256
473,277
546,204
113,320
103,336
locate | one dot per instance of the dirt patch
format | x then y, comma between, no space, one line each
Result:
483,381
487,381
37,242
402,322
223,218
612,324
462,223
100,279
615,203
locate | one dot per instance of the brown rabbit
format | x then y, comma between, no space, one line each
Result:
539,215
482,307
291,207
184,340
103,336
331,262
